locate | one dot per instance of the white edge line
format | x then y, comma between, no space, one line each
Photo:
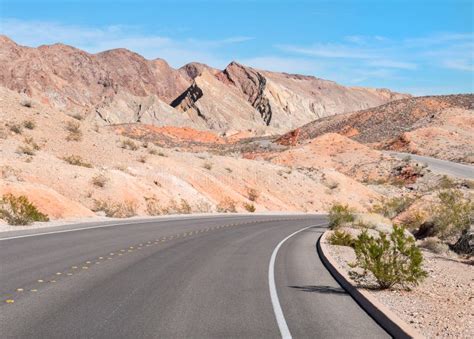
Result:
280,318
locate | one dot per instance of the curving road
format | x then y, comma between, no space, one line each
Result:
194,277
440,166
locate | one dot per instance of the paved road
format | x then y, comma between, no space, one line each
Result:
204,277
440,166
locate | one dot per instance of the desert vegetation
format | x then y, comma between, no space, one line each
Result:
74,131
76,160
115,209
18,210
390,260
340,214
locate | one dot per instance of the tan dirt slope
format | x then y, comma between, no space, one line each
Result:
120,170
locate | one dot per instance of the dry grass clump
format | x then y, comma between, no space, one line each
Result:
99,180
112,209
74,129
153,207
16,128
129,144
29,147
203,207
29,124
76,161
227,206
249,207
19,210
252,194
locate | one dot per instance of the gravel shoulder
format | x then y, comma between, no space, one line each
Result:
441,306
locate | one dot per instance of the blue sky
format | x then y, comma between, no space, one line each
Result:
420,47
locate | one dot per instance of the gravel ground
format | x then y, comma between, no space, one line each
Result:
442,306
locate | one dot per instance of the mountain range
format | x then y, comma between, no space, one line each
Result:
120,86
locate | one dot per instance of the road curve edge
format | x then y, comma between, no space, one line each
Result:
388,320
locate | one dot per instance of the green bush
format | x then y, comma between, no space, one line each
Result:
452,214
391,260
19,210
339,214
390,208
341,238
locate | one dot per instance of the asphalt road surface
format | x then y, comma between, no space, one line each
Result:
199,277
440,166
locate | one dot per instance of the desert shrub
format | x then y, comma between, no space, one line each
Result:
161,154
203,207
153,207
111,209
446,182
76,161
77,116
252,194
129,144
152,151
227,206
16,128
390,259
29,124
19,210
207,165
25,102
340,214
29,147
341,238
184,207
390,208
74,129
452,214
434,245
229,170
142,159
249,207
99,180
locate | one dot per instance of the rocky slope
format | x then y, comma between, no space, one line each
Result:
71,167
287,100
119,86
438,126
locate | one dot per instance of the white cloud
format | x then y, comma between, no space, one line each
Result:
461,65
331,51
